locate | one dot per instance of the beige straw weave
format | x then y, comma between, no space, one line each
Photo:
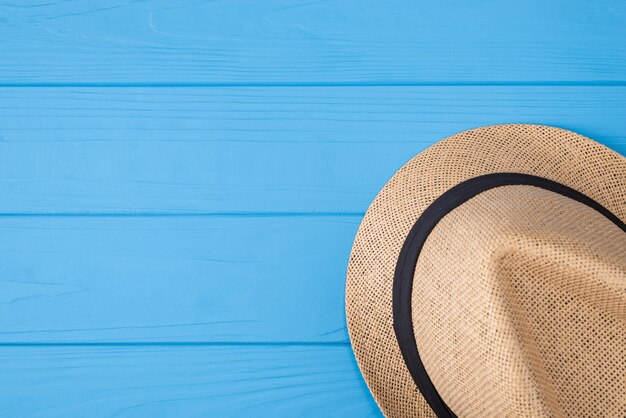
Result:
519,294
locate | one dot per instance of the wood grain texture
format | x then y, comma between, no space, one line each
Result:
199,279
221,381
304,42
251,150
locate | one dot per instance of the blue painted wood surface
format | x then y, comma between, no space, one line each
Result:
174,278
253,150
181,182
178,381
312,41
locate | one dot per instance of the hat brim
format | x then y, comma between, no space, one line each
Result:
555,154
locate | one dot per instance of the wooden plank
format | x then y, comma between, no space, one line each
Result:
299,41
198,279
295,150
228,381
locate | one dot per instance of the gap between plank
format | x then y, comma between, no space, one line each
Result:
599,83
180,214
178,344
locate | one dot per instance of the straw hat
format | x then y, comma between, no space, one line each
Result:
488,279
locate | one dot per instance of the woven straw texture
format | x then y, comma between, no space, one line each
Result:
537,296
519,294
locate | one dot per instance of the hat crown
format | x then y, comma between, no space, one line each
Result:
532,282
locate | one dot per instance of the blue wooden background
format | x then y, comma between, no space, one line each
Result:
181,181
